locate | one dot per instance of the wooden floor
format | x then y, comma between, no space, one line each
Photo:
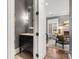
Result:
24,55
52,53
55,53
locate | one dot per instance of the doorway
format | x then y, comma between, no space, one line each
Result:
58,26
24,29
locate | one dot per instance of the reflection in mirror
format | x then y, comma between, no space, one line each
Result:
58,26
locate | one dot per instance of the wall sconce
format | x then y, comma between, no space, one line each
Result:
25,17
60,29
66,23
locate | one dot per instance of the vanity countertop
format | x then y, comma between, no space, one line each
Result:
27,34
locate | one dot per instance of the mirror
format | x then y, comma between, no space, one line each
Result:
58,26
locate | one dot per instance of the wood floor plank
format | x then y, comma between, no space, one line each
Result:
52,53
24,55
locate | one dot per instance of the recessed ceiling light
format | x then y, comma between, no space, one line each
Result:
50,13
46,4
25,16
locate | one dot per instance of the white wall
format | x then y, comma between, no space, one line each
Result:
57,7
61,21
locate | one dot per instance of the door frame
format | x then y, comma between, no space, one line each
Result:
49,18
11,27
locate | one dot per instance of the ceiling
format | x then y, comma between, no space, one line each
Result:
57,7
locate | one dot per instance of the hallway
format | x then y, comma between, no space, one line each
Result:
52,53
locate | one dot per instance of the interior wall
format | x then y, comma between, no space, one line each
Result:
61,21
58,8
19,24
23,18
63,18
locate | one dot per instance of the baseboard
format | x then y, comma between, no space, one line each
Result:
17,51
70,56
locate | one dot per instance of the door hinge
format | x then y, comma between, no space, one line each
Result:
37,55
37,13
37,34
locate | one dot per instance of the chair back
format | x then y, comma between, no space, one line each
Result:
60,38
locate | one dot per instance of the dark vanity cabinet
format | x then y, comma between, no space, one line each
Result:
26,42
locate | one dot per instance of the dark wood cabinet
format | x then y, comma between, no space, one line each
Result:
26,42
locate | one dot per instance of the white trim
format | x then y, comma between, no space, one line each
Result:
35,30
11,31
69,56
17,51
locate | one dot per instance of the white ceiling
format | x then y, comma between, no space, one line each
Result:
57,7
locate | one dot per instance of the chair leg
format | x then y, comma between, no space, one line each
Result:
20,49
20,45
55,43
63,46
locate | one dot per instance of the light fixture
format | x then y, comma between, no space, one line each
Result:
46,4
50,13
60,27
66,22
25,17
